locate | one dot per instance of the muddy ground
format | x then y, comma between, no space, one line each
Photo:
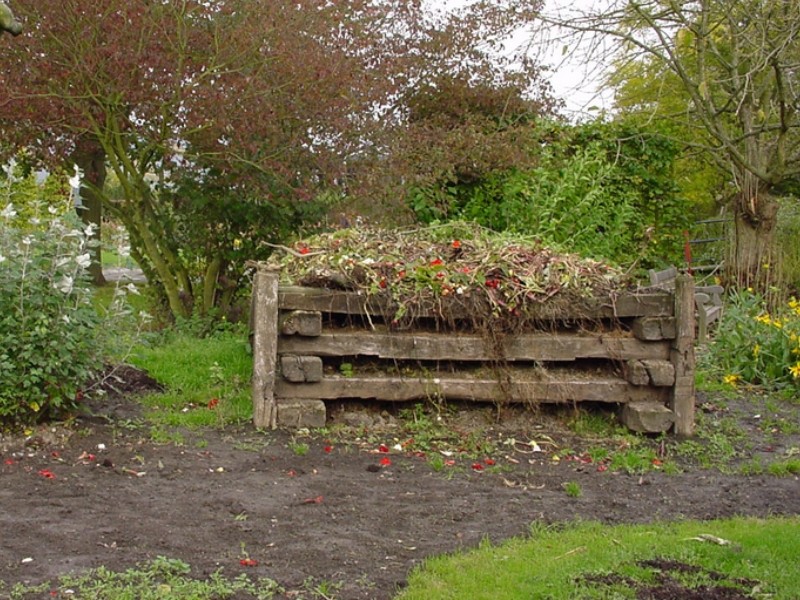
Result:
100,492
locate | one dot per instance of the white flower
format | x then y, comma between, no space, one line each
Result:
66,319
35,221
65,285
84,260
132,289
52,210
89,231
8,212
2,258
27,240
75,180
124,250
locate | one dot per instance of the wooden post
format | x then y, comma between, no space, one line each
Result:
682,398
264,319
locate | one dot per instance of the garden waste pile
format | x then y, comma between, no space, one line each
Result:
458,272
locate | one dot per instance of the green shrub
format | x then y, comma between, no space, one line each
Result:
605,191
755,346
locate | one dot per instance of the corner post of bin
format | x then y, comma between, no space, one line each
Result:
264,323
682,396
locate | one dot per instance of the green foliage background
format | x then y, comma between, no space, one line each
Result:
602,190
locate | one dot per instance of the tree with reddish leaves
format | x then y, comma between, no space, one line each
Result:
255,99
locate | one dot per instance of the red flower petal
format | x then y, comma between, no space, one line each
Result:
436,262
489,462
248,562
304,250
477,467
383,448
450,463
602,468
47,474
8,461
456,244
317,500
386,461
212,404
328,449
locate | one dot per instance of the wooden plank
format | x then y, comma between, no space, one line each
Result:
682,396
399,389
342,302
473,347
265,347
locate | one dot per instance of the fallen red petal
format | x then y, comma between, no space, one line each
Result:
248,562
47,474
602,468
477,467
383,448
386,461
489,462
8,461
213,403
328,449
317,500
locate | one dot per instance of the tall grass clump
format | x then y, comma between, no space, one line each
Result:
755,345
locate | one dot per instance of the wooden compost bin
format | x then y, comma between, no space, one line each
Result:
637,349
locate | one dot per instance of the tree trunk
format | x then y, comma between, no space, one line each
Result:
91,159
754,256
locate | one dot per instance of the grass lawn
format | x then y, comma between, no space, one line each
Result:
758,558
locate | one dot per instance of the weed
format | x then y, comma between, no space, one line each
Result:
634,461
162,435
298,448
436,462
573,489
326,590
160,579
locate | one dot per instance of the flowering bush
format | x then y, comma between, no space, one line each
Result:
755,346
48,325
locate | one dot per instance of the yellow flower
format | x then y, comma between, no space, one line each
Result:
795,370
765,319
731,380
756,350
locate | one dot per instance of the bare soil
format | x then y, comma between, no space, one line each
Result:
100,492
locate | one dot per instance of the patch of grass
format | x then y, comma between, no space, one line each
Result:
595,423
573,489
159,579
206,380
590,560
785,468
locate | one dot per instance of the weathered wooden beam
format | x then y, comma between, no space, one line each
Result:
474,347
265,347
399,389
682,396
653,304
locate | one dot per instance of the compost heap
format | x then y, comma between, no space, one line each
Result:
457,272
